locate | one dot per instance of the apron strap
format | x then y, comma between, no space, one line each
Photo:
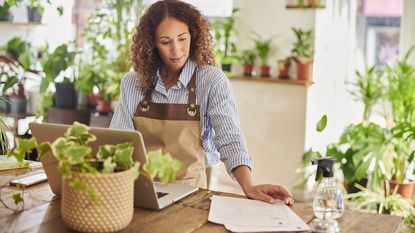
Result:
191,87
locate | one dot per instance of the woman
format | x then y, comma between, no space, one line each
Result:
181,103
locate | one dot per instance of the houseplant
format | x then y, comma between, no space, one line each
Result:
248,57
99,187
284,68
5,6
225,35
35,9
264,49
55,68
302,52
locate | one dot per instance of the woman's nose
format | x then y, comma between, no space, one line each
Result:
175,47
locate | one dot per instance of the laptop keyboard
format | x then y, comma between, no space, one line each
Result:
161,194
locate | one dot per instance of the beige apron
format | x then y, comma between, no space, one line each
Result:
175,128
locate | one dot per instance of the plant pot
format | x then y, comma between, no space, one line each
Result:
265,71
406,188
304,70
113,213
350,187
283,70
65,95
17,105
33,15
226,67
93,99
7,16
248,68
104,106
4,105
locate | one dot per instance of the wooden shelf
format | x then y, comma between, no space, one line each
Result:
305,83
24,24
305,7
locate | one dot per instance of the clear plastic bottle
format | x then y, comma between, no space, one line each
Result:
328,200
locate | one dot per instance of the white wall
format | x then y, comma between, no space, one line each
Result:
54,30
408,28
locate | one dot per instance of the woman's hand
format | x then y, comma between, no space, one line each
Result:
269,193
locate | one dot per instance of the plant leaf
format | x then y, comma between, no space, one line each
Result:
321,124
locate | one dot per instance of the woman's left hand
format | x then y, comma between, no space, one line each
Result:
269,193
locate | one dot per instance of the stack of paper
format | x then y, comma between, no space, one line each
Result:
244,215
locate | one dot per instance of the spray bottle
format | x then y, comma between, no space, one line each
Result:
328,202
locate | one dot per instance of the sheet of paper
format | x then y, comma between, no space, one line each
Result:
244,215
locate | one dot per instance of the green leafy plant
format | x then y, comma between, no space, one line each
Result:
54,64
6,5
264,48
41,8
369,90
248,56
302,49
224,34
361,146
384,202
74,155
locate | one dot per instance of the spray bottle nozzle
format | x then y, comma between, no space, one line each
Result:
324,166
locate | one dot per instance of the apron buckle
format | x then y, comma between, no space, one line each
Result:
191,111
144,108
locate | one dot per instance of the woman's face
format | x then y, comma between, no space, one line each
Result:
173,43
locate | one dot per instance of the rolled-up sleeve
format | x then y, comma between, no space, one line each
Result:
229,140
123,117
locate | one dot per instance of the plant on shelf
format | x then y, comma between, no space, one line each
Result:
104,181
302,52
225,35
284,68
5,6
35,9
248,57
264,49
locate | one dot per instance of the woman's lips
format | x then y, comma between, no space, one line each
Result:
176,60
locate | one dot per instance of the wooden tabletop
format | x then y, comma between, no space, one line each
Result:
42,214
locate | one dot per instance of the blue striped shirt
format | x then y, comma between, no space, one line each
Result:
221,133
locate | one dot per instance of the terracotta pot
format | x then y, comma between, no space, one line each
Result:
405,188
304,70
265,71
283,70
93,99
248,68
104,106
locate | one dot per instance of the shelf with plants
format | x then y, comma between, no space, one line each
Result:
22,24
273,80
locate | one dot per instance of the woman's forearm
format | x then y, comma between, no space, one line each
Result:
243,175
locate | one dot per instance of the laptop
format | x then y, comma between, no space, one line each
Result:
147,193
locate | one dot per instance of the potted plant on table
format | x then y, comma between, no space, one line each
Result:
302,52
97,191
264,49
248,59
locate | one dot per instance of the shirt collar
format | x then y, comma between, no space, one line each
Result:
185,75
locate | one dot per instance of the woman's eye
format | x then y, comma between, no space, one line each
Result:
182,39
164,42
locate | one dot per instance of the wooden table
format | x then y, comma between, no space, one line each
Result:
189,215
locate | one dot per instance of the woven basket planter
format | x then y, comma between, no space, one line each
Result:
113,213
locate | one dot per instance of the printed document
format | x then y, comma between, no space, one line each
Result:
244,215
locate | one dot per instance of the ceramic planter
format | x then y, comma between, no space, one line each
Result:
304,70
33,15
406,188
265,71
65,95
248,68
113,213
17,105
104,106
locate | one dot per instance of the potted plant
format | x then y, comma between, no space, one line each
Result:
284,68
302,53
384,202
224,34
54,66
97,191
264,49
5,6
400,96
248,59
35,9
18,101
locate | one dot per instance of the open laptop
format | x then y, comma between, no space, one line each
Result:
147,193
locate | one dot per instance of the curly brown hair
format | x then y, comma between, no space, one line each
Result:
144,55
